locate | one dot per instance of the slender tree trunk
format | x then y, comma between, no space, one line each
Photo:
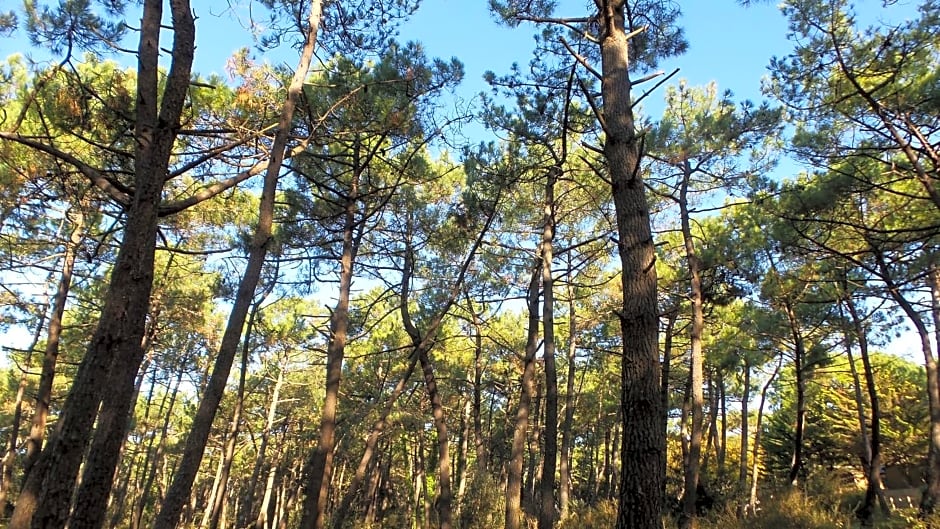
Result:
320,464
564,469
37,428
478,439
799,355
533,467
444,499
696,357
106,374
547,514
745,419
342,511
247,507
755,457
228,455
667,359
932,492
152,468
643,453
514,478
266,498
9,457
205,414
462,454
723,431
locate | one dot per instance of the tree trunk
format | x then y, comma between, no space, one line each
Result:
755,457
564,469
696,357
107,372
643,453
514,478
209,404
320,464
745,401
342,511
462,454
247,507
228,453
37,428
799,354
9,457
478,439
546,517
151,469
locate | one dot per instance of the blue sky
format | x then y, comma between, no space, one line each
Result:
729,44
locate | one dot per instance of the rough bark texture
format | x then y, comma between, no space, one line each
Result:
546,517
643,451
514,474
799,355
106,374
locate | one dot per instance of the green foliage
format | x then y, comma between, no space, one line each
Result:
483,504
600,515
791,509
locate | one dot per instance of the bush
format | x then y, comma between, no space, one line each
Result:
600,516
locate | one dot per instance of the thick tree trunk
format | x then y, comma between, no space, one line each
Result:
643,453
107,372
513,516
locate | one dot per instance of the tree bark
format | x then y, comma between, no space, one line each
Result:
228,453
643,453
342,511
799,355
320,463
546,517
107,372
513,511
755,456
209,404
564,469
37,429
745,419
688,519
247,504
